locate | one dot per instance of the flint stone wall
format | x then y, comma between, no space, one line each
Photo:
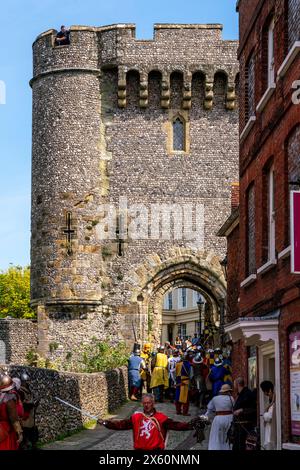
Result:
17,337
103,113
98,394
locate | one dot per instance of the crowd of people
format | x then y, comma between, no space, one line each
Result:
186,372
182,372
17,413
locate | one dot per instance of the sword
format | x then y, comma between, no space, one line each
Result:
135,338
85,413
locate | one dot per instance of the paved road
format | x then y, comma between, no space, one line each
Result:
101,438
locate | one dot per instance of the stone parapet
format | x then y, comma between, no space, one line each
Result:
96,393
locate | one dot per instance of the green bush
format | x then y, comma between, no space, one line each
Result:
15,293
99,356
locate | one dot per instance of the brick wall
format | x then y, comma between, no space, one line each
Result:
273,138
17,337
240,361
233,279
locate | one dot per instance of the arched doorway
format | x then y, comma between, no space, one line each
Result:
183,267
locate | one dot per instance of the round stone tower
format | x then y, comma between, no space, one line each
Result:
122,130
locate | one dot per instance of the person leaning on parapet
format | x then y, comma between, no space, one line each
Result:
62,37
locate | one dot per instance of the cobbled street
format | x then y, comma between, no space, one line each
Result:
101,438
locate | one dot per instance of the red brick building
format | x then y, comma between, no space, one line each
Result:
263,305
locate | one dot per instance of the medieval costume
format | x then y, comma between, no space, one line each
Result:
30,430
228,366
270,427
172,361
10,428
149,432
146,373
183,373
220,409
159,377
135,364
200,372
216,376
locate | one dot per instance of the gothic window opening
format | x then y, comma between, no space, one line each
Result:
178,135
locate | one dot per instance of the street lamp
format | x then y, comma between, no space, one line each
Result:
223,264
222,319
200,304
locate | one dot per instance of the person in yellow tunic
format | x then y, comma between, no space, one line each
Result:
159,377
146,373
183,373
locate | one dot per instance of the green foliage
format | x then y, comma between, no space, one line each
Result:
15,293
99,356
106,252
53,346
35,360
90,424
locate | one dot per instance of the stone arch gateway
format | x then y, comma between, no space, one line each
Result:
117,216
197,270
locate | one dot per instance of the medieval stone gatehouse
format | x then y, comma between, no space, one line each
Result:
135,147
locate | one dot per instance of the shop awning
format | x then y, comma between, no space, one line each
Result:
254,330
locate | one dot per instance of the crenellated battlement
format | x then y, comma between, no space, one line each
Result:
187,49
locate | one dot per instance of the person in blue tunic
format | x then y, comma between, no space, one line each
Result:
216,376
135,365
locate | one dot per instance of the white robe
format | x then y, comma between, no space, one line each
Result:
270,428
221,423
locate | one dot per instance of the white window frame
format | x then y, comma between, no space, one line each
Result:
180,298
182,330
167,301
271,60
271,216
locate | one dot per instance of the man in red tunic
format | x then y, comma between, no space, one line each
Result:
10,428
149,427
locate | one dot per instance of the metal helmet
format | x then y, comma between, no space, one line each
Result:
198,359
24,377
6,383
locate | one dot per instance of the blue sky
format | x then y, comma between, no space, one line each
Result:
20,22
